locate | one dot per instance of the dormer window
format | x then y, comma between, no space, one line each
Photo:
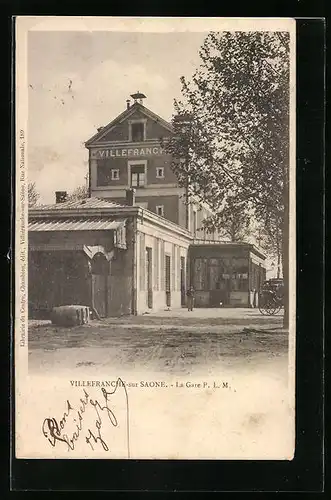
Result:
137,130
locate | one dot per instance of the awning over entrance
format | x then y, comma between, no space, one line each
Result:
72,224
75,224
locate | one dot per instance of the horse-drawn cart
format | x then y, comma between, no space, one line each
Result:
271,298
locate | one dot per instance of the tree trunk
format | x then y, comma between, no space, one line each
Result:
233,232
285,254
278,258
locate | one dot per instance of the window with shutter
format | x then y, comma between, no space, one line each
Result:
138,175
156,263
167,273
173,270
162,257
178,267
142,262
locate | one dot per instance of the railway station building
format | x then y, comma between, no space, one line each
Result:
133,245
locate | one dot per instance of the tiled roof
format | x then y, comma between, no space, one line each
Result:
80,204
74,224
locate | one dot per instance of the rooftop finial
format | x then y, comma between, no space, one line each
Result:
138,97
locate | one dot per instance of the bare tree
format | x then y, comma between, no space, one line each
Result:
79,193
33,195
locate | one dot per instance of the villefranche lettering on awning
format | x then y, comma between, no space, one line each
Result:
129,152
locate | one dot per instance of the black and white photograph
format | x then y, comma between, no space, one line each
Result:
155,188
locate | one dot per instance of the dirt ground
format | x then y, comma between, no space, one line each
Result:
247,352
167,342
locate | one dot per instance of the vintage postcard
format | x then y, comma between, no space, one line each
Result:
155,238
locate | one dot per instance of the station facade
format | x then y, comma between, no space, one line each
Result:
117,259
134,245
128,153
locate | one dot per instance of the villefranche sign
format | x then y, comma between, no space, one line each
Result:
126,152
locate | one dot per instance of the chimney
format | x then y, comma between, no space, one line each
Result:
61,196
128,104
130,197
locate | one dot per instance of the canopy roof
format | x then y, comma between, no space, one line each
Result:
74,224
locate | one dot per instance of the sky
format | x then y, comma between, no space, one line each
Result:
104,68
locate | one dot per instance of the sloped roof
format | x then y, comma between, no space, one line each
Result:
74,224
94,210
85,203
126,114
200,242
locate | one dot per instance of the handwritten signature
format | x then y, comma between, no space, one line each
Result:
55,430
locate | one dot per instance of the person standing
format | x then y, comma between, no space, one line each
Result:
190,298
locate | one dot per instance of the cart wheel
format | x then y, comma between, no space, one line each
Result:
277,309
269,306
262,311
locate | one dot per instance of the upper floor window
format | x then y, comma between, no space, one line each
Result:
160,172
115,174
160,210
138,177
137,131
